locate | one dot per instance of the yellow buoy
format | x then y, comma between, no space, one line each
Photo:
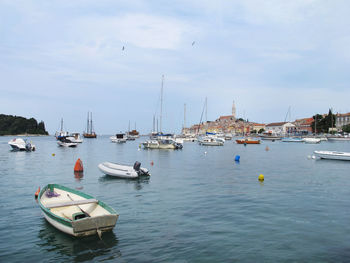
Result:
261,177
53,154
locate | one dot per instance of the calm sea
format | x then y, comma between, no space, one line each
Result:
199,205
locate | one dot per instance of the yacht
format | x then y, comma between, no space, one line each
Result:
19,144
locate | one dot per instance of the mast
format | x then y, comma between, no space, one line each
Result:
184,115
161,105
87,124
61,124
129,127
154,123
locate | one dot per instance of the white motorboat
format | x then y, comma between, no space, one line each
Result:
74,212
210,141
162,144
311,140
74,137
119,138
292,139
345,156
66,143
123,171
19,144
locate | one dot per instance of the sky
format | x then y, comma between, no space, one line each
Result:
63,59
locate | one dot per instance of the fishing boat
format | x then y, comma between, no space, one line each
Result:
118,138
123,171
247,141
333,155
311,140
90,133
19,144
74,212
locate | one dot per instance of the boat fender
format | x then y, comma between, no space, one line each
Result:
237,158
37,193
78,166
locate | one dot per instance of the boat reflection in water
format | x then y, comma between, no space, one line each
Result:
52,242
138,182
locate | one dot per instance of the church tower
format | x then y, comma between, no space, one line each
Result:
234,110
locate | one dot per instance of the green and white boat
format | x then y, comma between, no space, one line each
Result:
74,212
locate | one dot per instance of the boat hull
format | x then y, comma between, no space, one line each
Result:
247,142
332,155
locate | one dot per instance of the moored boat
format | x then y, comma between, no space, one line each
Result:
119,138
334,155
162,144
123,171
19,144
247,141
311,140
292,139
90,133
74,212
66,143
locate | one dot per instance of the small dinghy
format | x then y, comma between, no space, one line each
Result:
123,171
74,212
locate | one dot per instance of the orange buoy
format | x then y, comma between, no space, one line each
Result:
37,193
78,167
152,163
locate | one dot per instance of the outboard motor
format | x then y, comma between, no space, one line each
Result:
137,166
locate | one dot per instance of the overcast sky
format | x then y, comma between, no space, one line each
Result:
61,59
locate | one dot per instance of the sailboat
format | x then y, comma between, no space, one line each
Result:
210,138
61,134
90,133
160,140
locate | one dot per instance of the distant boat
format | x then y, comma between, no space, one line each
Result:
162,144
292,139
61,134
119,138
211,139
74,212
90,133
18,144
338,138
74,137
248,141
344,156
312,140
123,171
66,143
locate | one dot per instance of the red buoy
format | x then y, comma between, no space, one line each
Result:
78,166
37,193
152,163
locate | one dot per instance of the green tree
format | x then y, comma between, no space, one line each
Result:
346,128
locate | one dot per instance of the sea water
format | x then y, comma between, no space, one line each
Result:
198,205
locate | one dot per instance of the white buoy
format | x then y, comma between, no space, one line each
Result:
205,152
313,157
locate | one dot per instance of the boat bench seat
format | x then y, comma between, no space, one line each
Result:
72,203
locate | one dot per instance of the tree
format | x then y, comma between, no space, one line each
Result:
346,128
261,130
323,123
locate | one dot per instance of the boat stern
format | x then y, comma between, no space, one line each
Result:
91,225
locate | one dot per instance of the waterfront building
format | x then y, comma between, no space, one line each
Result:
341,120
280,128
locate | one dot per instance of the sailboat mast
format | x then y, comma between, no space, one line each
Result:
185,115
206,111
61,124
91,122
161,105
87,124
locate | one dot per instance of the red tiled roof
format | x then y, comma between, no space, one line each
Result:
276,124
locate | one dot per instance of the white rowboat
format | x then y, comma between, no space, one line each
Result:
74,212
